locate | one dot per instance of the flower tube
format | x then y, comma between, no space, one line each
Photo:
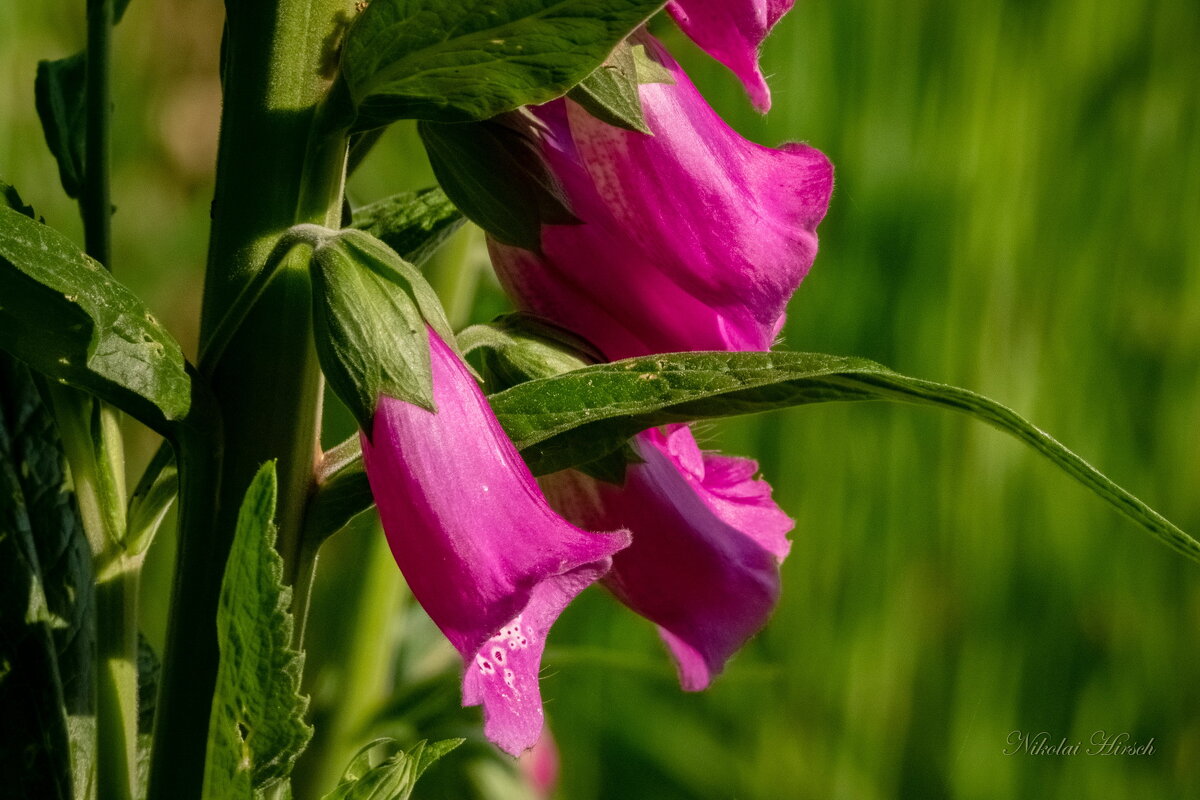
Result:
690,239
481,549
707,544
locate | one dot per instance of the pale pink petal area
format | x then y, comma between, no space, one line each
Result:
691,239
732,31
540,765
728,486
708,585
479,546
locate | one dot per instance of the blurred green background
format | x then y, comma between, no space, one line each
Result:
1018,187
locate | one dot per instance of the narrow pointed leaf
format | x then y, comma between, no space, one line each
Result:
584,415
457,62
257,727
66,317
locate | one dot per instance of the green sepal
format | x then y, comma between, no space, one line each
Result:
461,62
257,727
610,93
393,779
648,68
370,311
494,172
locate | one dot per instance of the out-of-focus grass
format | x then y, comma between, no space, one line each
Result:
1018,186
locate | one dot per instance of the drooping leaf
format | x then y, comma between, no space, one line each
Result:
60,95
257,726
65,316
47,611
59,92
458,62
610,93
395,778
414,224
495,175
584,415
370,309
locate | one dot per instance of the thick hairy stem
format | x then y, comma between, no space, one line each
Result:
273,171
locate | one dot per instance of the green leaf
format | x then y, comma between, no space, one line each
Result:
395,778
584,415
60,95
494,172
47,605
414,224
59,92
579,416
370,309
610,93
257,727
458,62
65,316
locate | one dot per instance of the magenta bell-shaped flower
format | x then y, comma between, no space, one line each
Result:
691,239
732,31
481,549
707,543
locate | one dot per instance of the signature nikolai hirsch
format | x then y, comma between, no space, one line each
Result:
1101,743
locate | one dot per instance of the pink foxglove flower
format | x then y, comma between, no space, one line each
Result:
540,765
707,543
731,31
691,239
481,549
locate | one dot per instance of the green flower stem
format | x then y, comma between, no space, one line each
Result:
275,168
